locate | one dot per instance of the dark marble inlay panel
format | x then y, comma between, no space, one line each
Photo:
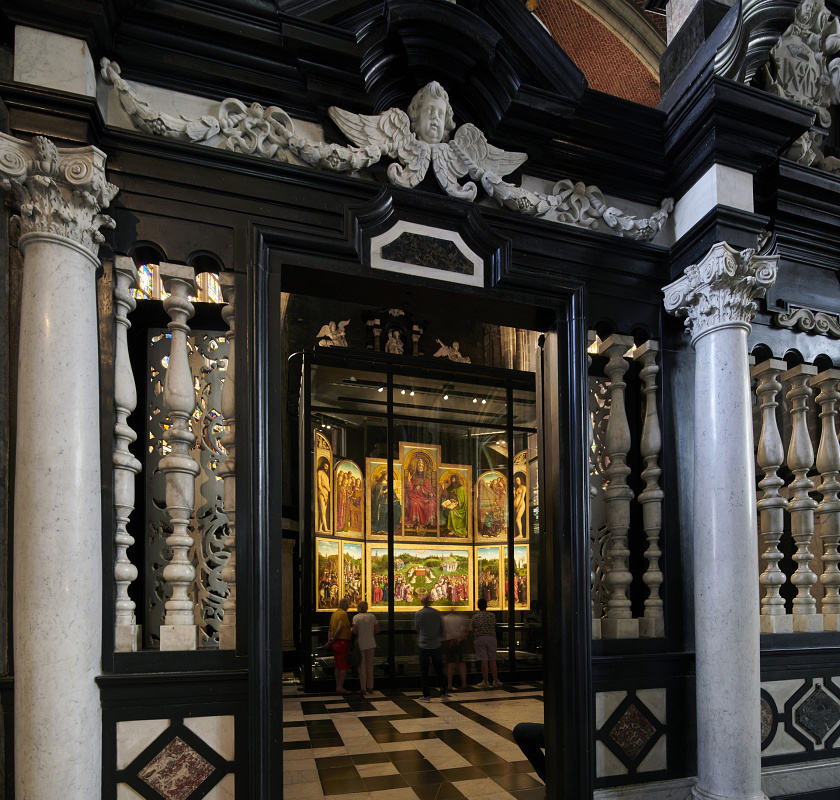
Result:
818,714
427,251
766,719
176,771
632,732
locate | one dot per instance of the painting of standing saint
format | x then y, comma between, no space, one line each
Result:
349,499
455,492
420,501
379,488
323,485
328,574
444,572
491,506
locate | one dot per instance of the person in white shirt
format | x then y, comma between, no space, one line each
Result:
365,626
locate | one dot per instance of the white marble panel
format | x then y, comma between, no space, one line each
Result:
657,758
605,704
378,262
655,700
217,732
223,790
303,791
719,185
782,691
125,792
53,61
606,763
657,790
801,778
782,744
134,736
507,712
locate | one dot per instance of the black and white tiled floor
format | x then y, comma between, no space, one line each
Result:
389,746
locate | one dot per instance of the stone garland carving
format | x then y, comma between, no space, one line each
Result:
810,321
417,139
721,289
804,67
58,191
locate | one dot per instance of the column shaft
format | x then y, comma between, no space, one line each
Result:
726,601
57,539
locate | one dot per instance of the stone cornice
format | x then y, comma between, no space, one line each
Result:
57,191
720,290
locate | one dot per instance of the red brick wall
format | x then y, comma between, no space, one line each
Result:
608,64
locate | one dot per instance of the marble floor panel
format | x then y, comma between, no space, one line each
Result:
390,746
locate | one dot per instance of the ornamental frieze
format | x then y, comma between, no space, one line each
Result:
421,138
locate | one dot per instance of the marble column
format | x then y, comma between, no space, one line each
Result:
57,555
717,298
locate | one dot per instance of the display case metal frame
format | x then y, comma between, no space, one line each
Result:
393,367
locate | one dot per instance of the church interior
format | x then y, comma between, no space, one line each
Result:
519,319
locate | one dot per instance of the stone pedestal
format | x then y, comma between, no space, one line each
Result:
57,560
717,297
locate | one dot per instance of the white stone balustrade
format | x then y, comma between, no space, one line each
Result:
127,633
800,459
179,631
227,469
653,623
828,511
618,622
771,506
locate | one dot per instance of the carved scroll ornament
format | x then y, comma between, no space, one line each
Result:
809,321
57,191
421,138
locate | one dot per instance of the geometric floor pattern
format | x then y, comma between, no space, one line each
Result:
389,746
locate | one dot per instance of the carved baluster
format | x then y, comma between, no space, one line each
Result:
227,469
179,631
653,623
801,507
126,466
618,624
828,511
592,337
771,454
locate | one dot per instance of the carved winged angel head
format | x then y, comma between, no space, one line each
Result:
431,115
421,138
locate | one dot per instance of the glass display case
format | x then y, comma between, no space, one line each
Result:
417,477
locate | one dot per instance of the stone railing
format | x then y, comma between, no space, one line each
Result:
189,564
798,534
611,497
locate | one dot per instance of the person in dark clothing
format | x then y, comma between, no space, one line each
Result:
530,736
428,623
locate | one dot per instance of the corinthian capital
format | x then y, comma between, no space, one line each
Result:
720,290
57,191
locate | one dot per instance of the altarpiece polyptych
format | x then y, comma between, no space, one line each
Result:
448,528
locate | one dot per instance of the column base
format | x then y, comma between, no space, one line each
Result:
831,622
781,623
651,628
619,628
128,638
179,637
700,794
807,623
596,628
227,637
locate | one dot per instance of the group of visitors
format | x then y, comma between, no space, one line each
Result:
435,631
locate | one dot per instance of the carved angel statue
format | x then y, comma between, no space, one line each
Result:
422,136
452,353
332,335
